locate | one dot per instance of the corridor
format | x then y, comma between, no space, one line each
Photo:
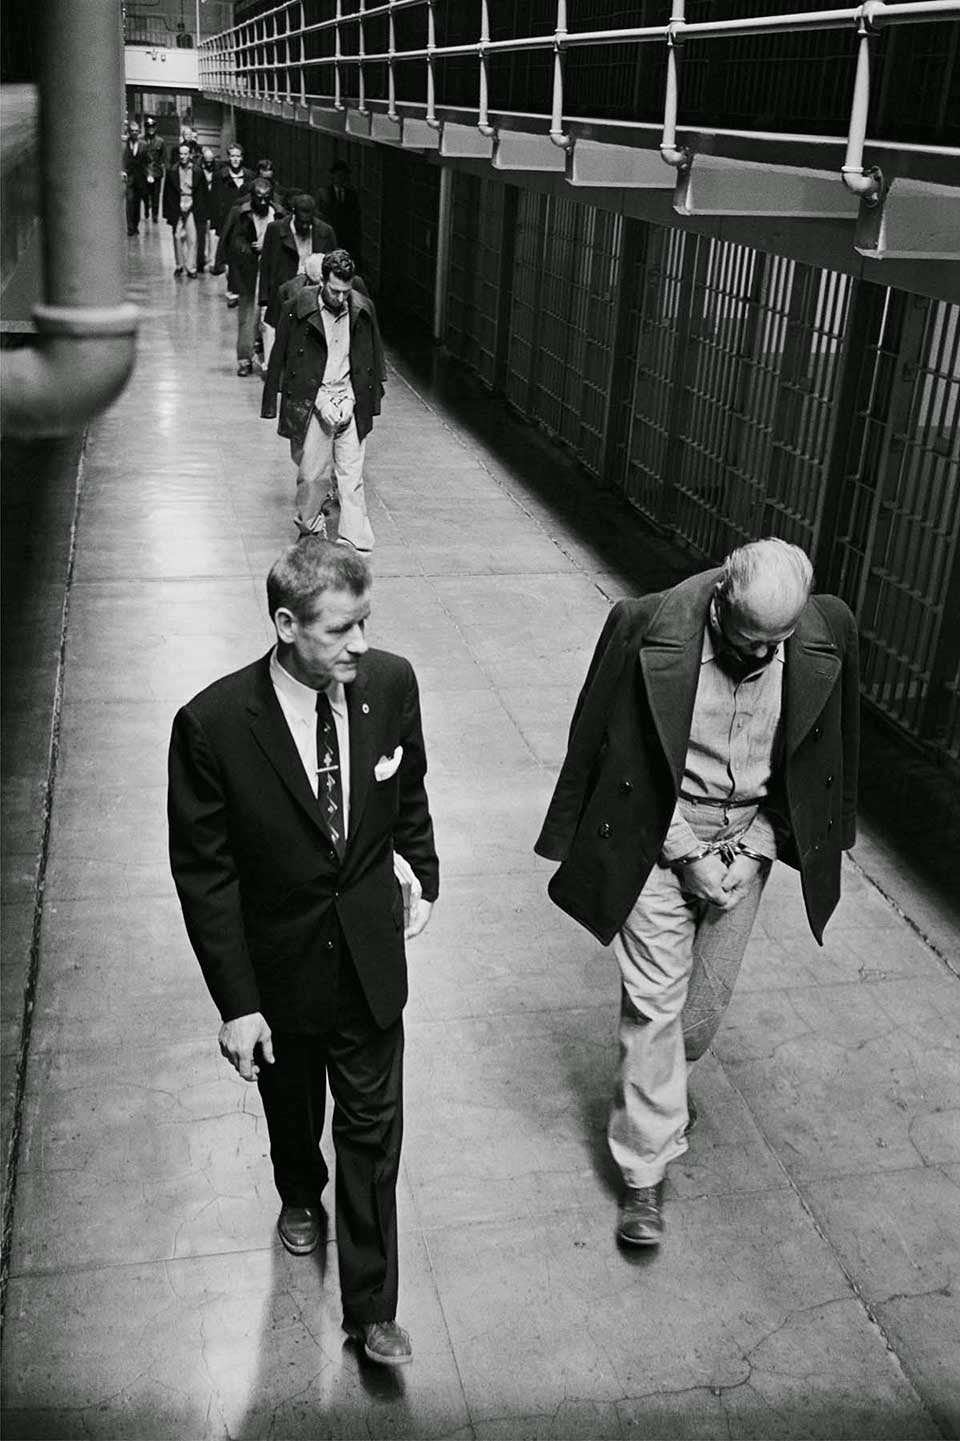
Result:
807,1284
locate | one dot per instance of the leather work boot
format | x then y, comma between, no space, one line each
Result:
383,1341
640,1218
299,1229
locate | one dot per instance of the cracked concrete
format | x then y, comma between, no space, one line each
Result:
807,1287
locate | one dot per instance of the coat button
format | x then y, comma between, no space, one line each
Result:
817,732
626,787
329,945
828,781
829,825
604,830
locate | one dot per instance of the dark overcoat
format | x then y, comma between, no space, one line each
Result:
299,359
619,783
171,195
281,259
258,878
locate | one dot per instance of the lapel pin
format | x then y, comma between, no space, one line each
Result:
365,708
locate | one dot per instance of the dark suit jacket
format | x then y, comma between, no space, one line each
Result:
171,195
299,358
281,259
259,881
625,758
135,167
226,195
343,215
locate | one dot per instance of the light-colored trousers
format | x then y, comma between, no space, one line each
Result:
323,458
679,959
185,242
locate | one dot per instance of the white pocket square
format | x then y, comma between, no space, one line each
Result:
388,766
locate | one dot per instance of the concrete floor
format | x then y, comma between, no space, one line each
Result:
807,1286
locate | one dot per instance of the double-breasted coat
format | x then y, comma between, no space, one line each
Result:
619,783
299,358
259,880
281,259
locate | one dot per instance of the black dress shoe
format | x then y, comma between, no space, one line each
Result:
640,1218
299,1229
383,1341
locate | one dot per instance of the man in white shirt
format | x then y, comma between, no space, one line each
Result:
293,784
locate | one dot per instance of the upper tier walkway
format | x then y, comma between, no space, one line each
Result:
807,1287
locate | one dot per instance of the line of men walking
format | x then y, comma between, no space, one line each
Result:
305,319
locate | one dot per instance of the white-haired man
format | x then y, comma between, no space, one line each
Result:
717,730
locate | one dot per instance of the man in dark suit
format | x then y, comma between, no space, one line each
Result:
717,730
340,207
156,167
293,783
287,246
328,361
135,161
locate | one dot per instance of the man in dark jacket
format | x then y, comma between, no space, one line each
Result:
208,185
244,239
134,163
232,185
156,166
286,248
293,783
717,730
183,210
328,361
340,207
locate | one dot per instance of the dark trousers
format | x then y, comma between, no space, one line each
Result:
152,201
204,241
364,1065
134,198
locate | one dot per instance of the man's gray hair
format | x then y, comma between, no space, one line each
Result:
772,568
299,577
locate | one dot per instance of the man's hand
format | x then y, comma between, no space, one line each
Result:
419,915
238,1040
705,878
739,878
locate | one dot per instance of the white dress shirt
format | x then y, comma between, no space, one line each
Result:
299,705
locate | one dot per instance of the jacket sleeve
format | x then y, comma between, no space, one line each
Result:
413,829
268,264
586,736
846,627
277,364
204,870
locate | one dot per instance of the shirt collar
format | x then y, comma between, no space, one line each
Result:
709,651
303,698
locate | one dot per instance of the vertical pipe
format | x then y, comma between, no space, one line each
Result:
303,56
337,52
431,113
669,152
483,117
556,121
442,270
361,83
865,183
391,74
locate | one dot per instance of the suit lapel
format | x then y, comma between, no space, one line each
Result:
272,734
362,728
671,673
812,667
670,656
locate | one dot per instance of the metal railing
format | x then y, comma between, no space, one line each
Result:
368,53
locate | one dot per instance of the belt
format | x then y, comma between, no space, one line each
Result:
728,805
